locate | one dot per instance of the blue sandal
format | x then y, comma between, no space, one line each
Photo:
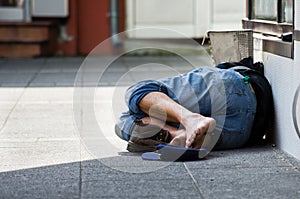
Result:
174,153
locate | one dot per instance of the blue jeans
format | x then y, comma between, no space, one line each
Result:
212,92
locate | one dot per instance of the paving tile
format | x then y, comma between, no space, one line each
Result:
10,95
97,170
132,164
15,66
255,157
279,182
60,68
3,61
16,80
31,153
25,128
53,79
6,108
257,172
171,181
139,189
152,75
57,181
109,93
43,110
44,95
63,62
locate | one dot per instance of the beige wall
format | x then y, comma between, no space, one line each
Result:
192,18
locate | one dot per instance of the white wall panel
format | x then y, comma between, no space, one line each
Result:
284,76
227,14
192,18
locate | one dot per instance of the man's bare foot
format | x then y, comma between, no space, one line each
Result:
197,125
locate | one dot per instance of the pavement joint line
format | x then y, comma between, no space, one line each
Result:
11,110
80,131
18,99
195,183
80,176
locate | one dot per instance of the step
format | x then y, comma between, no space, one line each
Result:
24,50
26,32
21,39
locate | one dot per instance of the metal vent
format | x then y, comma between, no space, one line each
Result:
230,46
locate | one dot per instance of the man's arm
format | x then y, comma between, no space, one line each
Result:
159,105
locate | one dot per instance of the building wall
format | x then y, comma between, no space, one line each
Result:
192,18
227,14
70,47
93,24
88,25
283,74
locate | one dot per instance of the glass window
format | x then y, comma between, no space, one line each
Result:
265,9
274,18
287,11
280,11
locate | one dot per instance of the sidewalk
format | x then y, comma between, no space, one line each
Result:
42,155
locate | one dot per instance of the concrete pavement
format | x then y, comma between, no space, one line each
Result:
42,155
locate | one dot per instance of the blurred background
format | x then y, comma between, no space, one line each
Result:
30,28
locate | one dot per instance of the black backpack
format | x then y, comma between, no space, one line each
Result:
263,91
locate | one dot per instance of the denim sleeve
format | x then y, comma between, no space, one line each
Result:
136,92
125,126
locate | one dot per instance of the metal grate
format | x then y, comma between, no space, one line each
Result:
229,46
